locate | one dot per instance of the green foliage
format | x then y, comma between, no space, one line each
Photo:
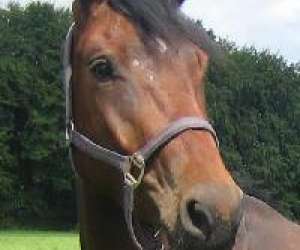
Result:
32,114
253,98
254,101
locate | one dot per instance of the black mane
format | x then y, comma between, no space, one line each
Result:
163,19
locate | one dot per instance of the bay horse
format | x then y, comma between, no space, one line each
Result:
149,172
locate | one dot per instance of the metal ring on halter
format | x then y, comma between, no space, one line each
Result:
136,170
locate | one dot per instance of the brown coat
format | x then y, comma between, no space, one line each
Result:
262,228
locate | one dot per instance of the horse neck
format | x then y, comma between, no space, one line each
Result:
102,225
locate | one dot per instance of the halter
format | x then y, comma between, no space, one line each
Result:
131,167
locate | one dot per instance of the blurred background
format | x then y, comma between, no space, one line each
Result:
253,101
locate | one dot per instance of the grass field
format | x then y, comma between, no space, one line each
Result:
36,240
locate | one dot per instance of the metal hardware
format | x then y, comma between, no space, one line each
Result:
69,128
136,171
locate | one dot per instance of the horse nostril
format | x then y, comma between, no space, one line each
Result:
201,218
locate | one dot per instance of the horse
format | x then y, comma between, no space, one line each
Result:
149,172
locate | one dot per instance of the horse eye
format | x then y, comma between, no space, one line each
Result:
102,68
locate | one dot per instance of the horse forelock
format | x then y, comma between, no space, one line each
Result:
161,19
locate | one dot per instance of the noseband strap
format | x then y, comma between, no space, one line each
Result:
131,167
143,155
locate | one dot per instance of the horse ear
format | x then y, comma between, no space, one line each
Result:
178,3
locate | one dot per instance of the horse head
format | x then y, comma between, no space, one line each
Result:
137,67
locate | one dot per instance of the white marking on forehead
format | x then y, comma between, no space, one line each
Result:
162,45
151,77
149,74
136,63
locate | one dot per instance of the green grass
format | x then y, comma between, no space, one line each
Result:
38,240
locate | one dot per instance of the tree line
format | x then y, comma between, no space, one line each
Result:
253,101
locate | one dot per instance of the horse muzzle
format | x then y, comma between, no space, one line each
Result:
209,217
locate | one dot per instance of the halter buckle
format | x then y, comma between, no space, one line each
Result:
69,128
136,170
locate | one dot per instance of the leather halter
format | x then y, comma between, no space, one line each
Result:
131,167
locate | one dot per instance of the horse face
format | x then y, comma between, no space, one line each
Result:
124,95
